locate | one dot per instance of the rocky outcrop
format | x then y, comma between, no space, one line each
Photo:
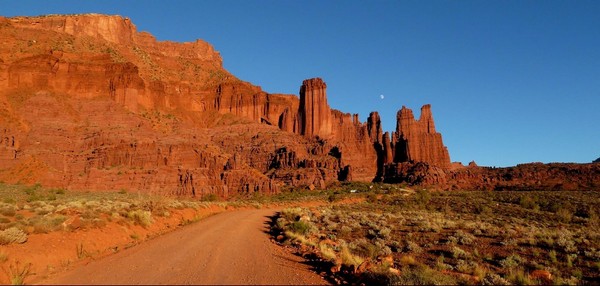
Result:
417,140
388,153
524,177
88,102
314,115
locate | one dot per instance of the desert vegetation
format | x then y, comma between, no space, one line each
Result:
34,216
402,236
68,220
32,209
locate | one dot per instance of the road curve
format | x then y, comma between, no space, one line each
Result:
228,248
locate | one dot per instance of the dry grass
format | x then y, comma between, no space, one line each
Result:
18,273
12,235
33,209
490,237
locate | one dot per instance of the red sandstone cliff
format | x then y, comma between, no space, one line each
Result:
88,102
418,141
314,115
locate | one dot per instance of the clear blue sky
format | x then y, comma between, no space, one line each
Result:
509,81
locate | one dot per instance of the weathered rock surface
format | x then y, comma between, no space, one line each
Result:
314,115
526,177
88,102
417,140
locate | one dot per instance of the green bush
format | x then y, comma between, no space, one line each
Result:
301,227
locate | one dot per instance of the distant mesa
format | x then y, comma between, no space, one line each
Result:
596,161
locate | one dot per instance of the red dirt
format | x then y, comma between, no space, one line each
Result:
52,252
228,248
55,252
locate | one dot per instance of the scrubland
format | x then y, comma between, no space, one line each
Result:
352,233
404,236
44,229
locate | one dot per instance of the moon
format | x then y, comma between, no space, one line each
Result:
381,95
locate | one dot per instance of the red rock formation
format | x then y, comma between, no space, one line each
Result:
418,141
314,115
374,127
388,156
88,102
524,177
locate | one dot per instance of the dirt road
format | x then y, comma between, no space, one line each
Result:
228,248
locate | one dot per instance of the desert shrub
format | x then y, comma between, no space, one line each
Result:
413,247
528,202
379,275
483,209
364,248
141,217
348,258
552,256
100,223
459,253
519,277
210,198
464,238
90,214
494,279
334,197
8,210
327,252
564,215
407,260
384,232
345,229
291,214
422,198
592,253
441,265
302,227
156,204
565,241
18,273
511,261
423,275
299,238
12,235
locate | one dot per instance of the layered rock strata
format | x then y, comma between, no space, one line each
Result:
524,177
88,102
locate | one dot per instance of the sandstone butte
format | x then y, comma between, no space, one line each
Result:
88,102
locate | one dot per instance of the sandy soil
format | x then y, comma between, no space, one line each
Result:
48,253
227,248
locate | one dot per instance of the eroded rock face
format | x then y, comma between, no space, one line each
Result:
525,177
88,102
417,140
314,115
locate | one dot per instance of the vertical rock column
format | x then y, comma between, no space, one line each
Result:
314,114
417,139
